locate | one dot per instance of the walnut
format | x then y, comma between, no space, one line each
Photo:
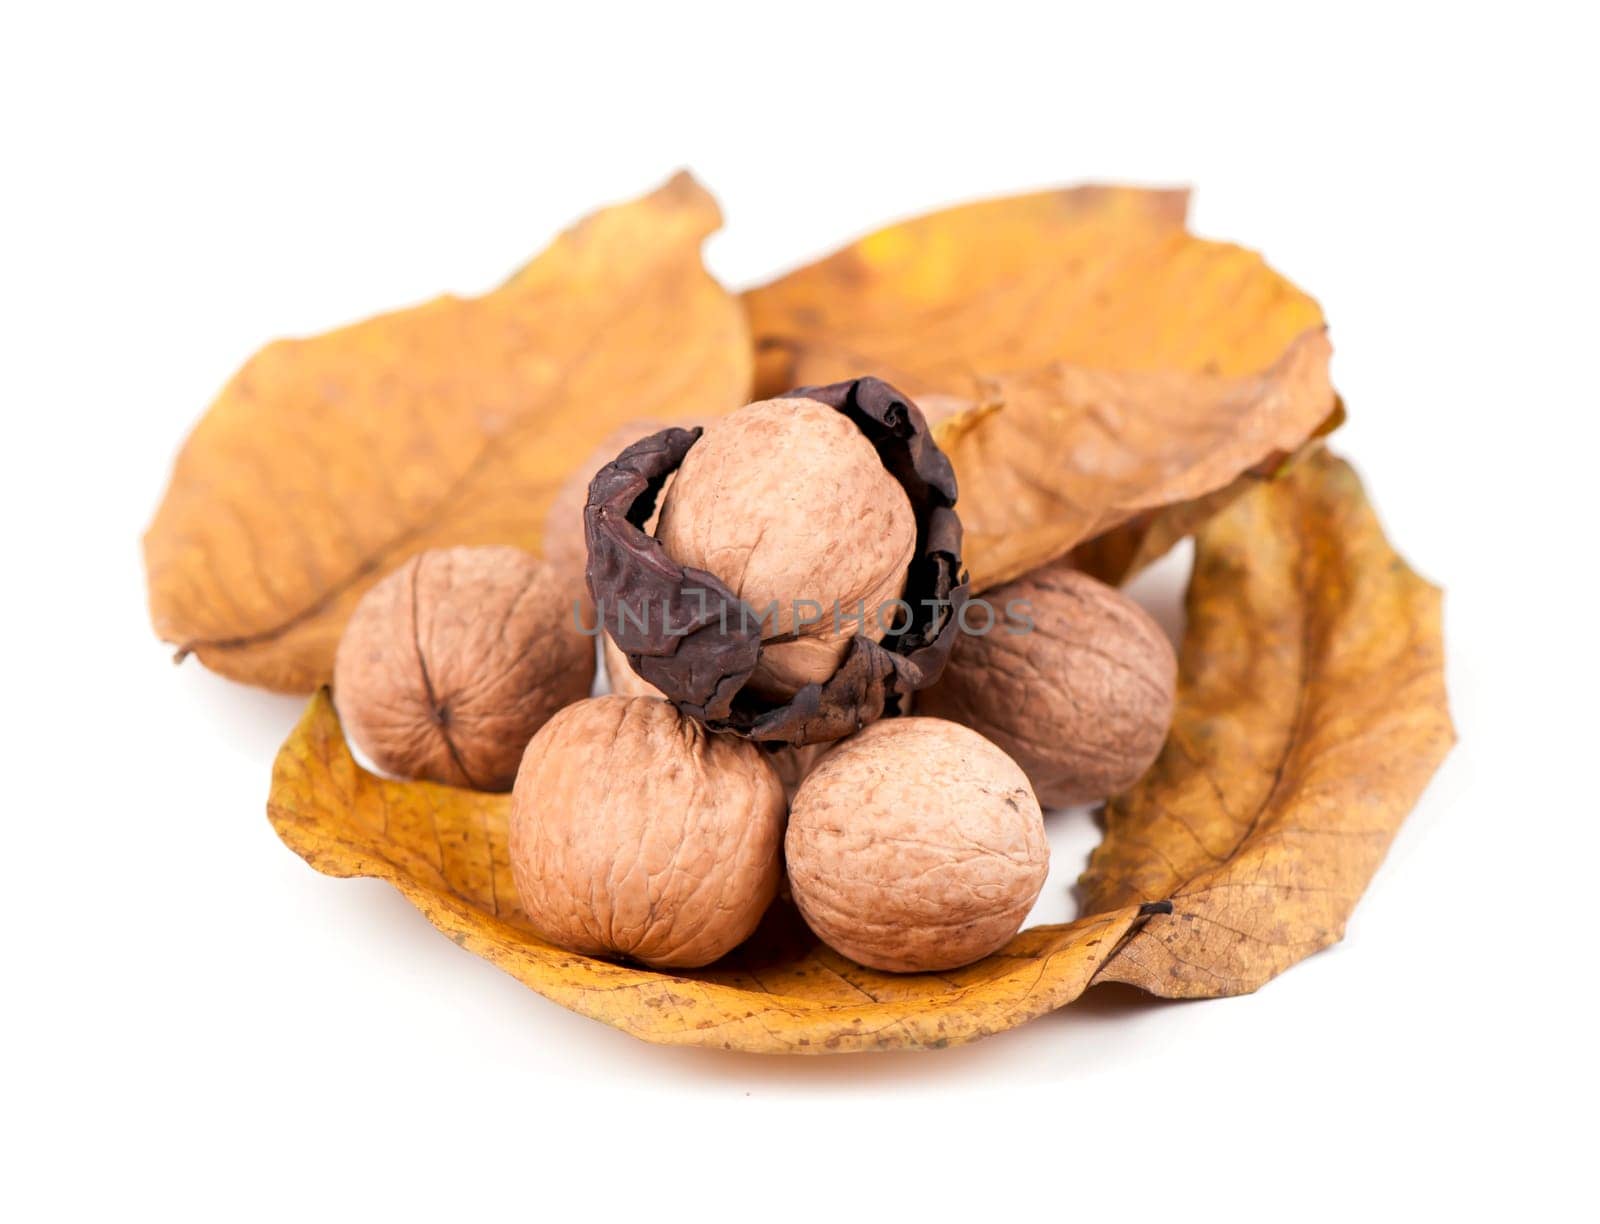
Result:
788,503
916,845
451,663
636,832
1082,701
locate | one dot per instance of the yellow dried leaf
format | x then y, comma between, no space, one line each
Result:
1002,284
1093,276
1111,363
1311,714
325,462
782,992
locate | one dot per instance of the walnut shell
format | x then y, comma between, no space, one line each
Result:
916,845
794,765
636,832
624,681
787,501
1083,702
451,663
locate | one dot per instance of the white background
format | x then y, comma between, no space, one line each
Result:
198,1024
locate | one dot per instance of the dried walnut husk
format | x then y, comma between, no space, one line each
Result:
636,832
692,637
792,764
450,664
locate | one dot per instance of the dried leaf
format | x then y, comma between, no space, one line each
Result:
1070,452
445,850
1115,556
326,462
1003,284
1111,363
1311,714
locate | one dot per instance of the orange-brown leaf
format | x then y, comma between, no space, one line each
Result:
1311,714
997,285
1111,363
1115,556
1093,276
1070,452
445,850
325,462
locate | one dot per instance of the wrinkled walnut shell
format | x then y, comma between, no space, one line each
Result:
916,845
1083,702
701,644
636,832
450,664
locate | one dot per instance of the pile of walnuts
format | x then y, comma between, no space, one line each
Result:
772,594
